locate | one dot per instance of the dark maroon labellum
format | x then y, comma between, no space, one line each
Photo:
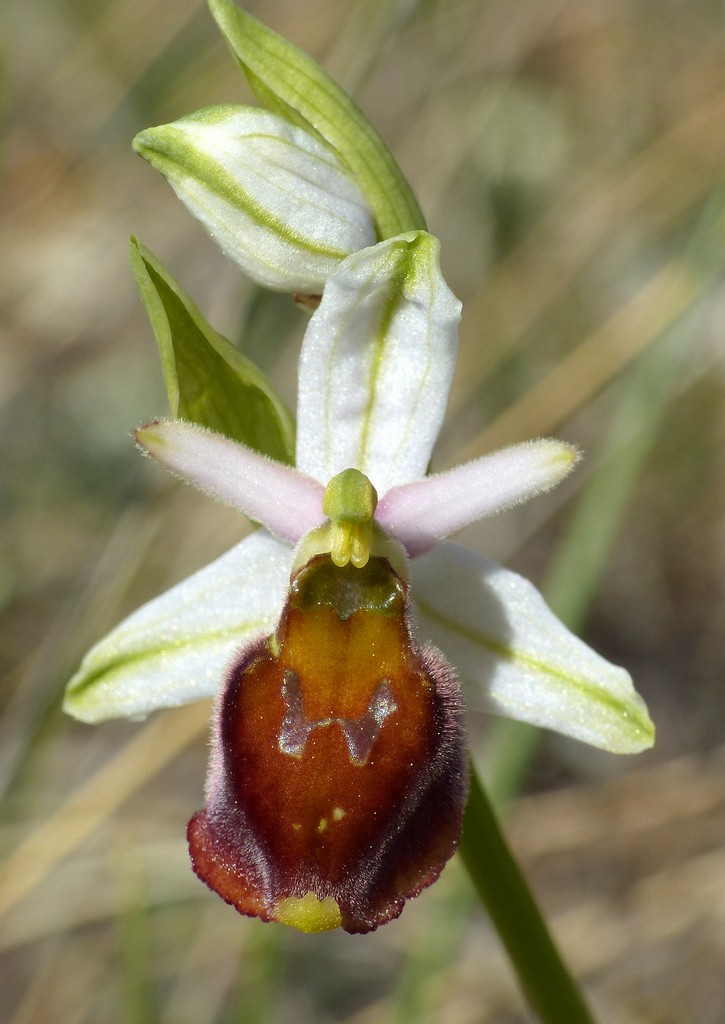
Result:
338,775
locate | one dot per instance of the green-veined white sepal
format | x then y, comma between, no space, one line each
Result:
275,198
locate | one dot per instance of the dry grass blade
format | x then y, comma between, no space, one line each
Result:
153,747
596,361
664,180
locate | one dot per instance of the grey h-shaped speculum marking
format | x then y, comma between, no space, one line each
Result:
360,733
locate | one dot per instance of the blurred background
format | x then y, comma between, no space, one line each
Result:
570,156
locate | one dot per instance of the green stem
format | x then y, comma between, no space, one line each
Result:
549,987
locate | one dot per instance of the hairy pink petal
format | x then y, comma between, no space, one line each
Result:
287,502
421,513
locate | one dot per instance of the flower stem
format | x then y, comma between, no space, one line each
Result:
549,987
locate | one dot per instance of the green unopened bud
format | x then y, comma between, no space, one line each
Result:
275,198
290,83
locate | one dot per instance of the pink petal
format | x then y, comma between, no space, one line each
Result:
287,502
423,512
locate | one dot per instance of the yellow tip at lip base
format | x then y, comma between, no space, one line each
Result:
308,913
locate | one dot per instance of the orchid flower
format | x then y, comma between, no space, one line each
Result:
333,636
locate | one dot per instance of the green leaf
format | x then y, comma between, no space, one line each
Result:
208,381
292,84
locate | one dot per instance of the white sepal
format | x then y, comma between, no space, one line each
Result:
177,647
275,198
425,511
288,503
376,364
510,648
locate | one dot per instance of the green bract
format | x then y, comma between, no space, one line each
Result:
295,86
276,199
207,380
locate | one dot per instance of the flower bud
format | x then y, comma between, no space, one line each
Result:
276,199
288,81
